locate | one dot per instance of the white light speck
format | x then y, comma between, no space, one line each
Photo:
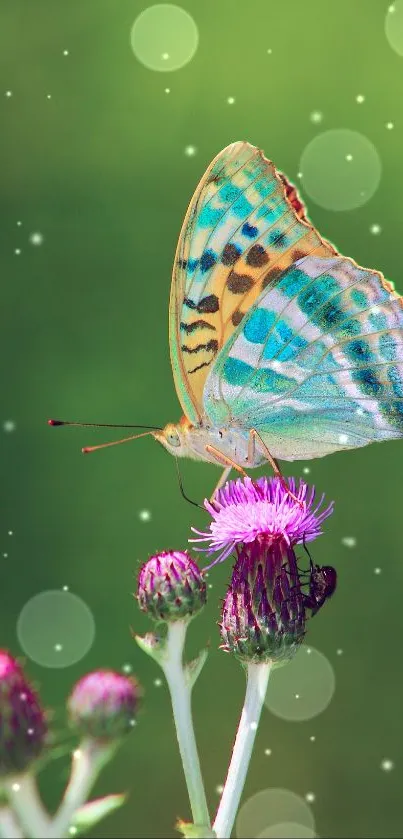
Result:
23,697
375,229
19,223
210,585
65,52
306,470
343,439
36,238
377,571
359,412
167,90
48,96
190,151
127,668
15,787
8,94
297,695
269,51
390,125
65,588
58,648
310,797
9,426
17,251
219,789
387,765
316,116
165,56
77,754
267,752
308,651
312,738
10,532
299,175
231,100
391,9
339,651
5,556
360,98
253,726
132,723
157,683
349,541
73,830
349,157
30,731
145,515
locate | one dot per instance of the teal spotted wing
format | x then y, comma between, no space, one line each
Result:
245,224
317,364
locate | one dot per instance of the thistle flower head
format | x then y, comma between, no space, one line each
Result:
171,586
103,704
263,614
245,510
23,727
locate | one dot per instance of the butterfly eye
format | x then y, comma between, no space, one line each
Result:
173,438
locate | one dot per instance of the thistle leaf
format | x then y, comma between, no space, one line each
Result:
91,813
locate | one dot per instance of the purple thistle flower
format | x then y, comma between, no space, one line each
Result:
103,704
263,614
171,586
244,510
23,726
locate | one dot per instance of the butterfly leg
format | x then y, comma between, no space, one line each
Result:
225,461
255,436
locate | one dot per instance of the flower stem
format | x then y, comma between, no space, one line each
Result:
9,828
256,686
87,763
180,688
25,802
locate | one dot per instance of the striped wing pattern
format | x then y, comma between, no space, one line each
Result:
244,226
317,364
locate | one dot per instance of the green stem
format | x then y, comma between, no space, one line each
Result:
87,762
180,689
25,802
256,686
9,828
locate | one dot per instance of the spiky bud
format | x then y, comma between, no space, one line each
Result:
263,615
23,727
103,704
171,586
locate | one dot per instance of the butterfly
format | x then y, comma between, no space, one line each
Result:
281,348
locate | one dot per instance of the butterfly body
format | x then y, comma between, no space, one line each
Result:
280,346
186,440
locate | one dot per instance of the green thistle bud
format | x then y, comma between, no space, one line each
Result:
171,586
263,615
23,727
103,705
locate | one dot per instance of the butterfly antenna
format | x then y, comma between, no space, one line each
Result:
195,504
101,425
89,449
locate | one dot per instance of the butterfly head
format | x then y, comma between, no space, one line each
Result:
173,438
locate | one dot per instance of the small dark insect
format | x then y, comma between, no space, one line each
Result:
322,584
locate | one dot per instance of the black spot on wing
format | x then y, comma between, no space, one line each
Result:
208,305
237,317
257,256
196,324
210,346
239,283
230,254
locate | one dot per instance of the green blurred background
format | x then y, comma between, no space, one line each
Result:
93,157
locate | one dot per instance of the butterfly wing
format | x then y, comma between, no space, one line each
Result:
317,364
245,224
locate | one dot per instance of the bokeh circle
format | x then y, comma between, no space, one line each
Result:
272,807
341,169
394,26
303,688
55,628
164,37
287,830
